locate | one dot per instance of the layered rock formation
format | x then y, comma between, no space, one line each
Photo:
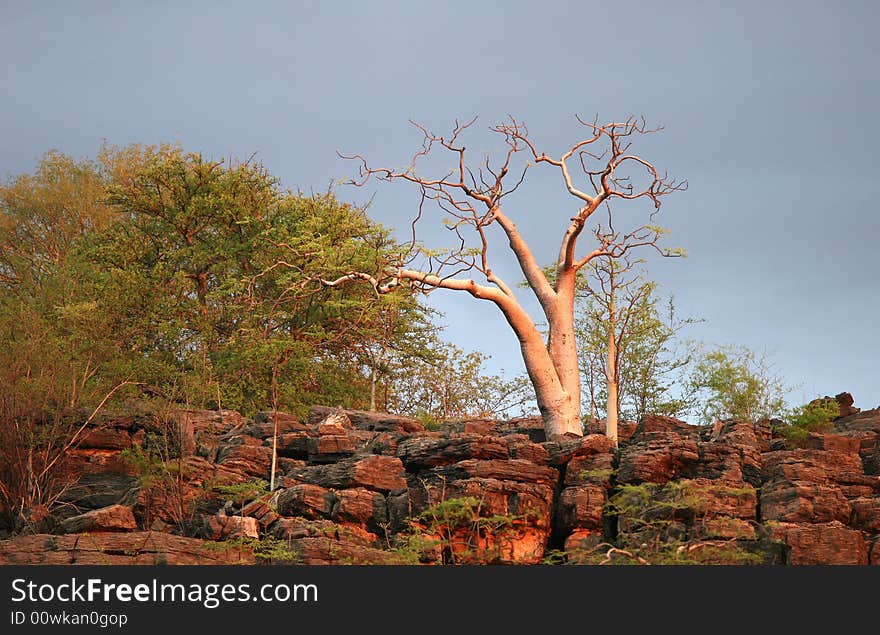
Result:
358,487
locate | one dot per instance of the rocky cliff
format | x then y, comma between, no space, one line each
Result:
357,487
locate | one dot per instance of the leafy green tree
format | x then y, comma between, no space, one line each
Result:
735,382
452,384
628,342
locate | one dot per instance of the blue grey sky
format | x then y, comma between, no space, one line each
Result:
769,111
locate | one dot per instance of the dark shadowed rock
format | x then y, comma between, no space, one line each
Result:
305,500
580,507
93,491
519,446
375,472
247,455
867,421
561,452
866,514
424,451
504,470
364,420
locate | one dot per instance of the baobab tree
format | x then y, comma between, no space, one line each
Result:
596,171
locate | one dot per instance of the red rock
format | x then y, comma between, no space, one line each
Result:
803,502
483,427
305,500
832,442
423,451
380,473
845,404
821,544
266,421
595,468
659,423
262,511
326,551
658,460
248,458
625,429
562,452
147,547
329,448
361,507
105,438
112,518
580,507
221,527
581,543
519,446
505,470
866,514
814,466
296,528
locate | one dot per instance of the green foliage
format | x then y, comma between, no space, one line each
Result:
650,356
815,416
196,278
655,526
735,382
456,531
266,549
242,492
450,384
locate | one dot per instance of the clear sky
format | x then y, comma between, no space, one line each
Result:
770,112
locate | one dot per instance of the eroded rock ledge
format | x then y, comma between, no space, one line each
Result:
354,487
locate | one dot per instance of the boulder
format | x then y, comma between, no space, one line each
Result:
305,500
580,507
504,470
803,502
222,527
380,473
424,451
821,544
364,420
866,514
93,491
362,507
112,518
662,458
561,452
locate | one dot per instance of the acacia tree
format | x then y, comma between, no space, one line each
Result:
473,197
626,345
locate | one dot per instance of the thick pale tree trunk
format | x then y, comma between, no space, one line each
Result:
562,343
553,371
